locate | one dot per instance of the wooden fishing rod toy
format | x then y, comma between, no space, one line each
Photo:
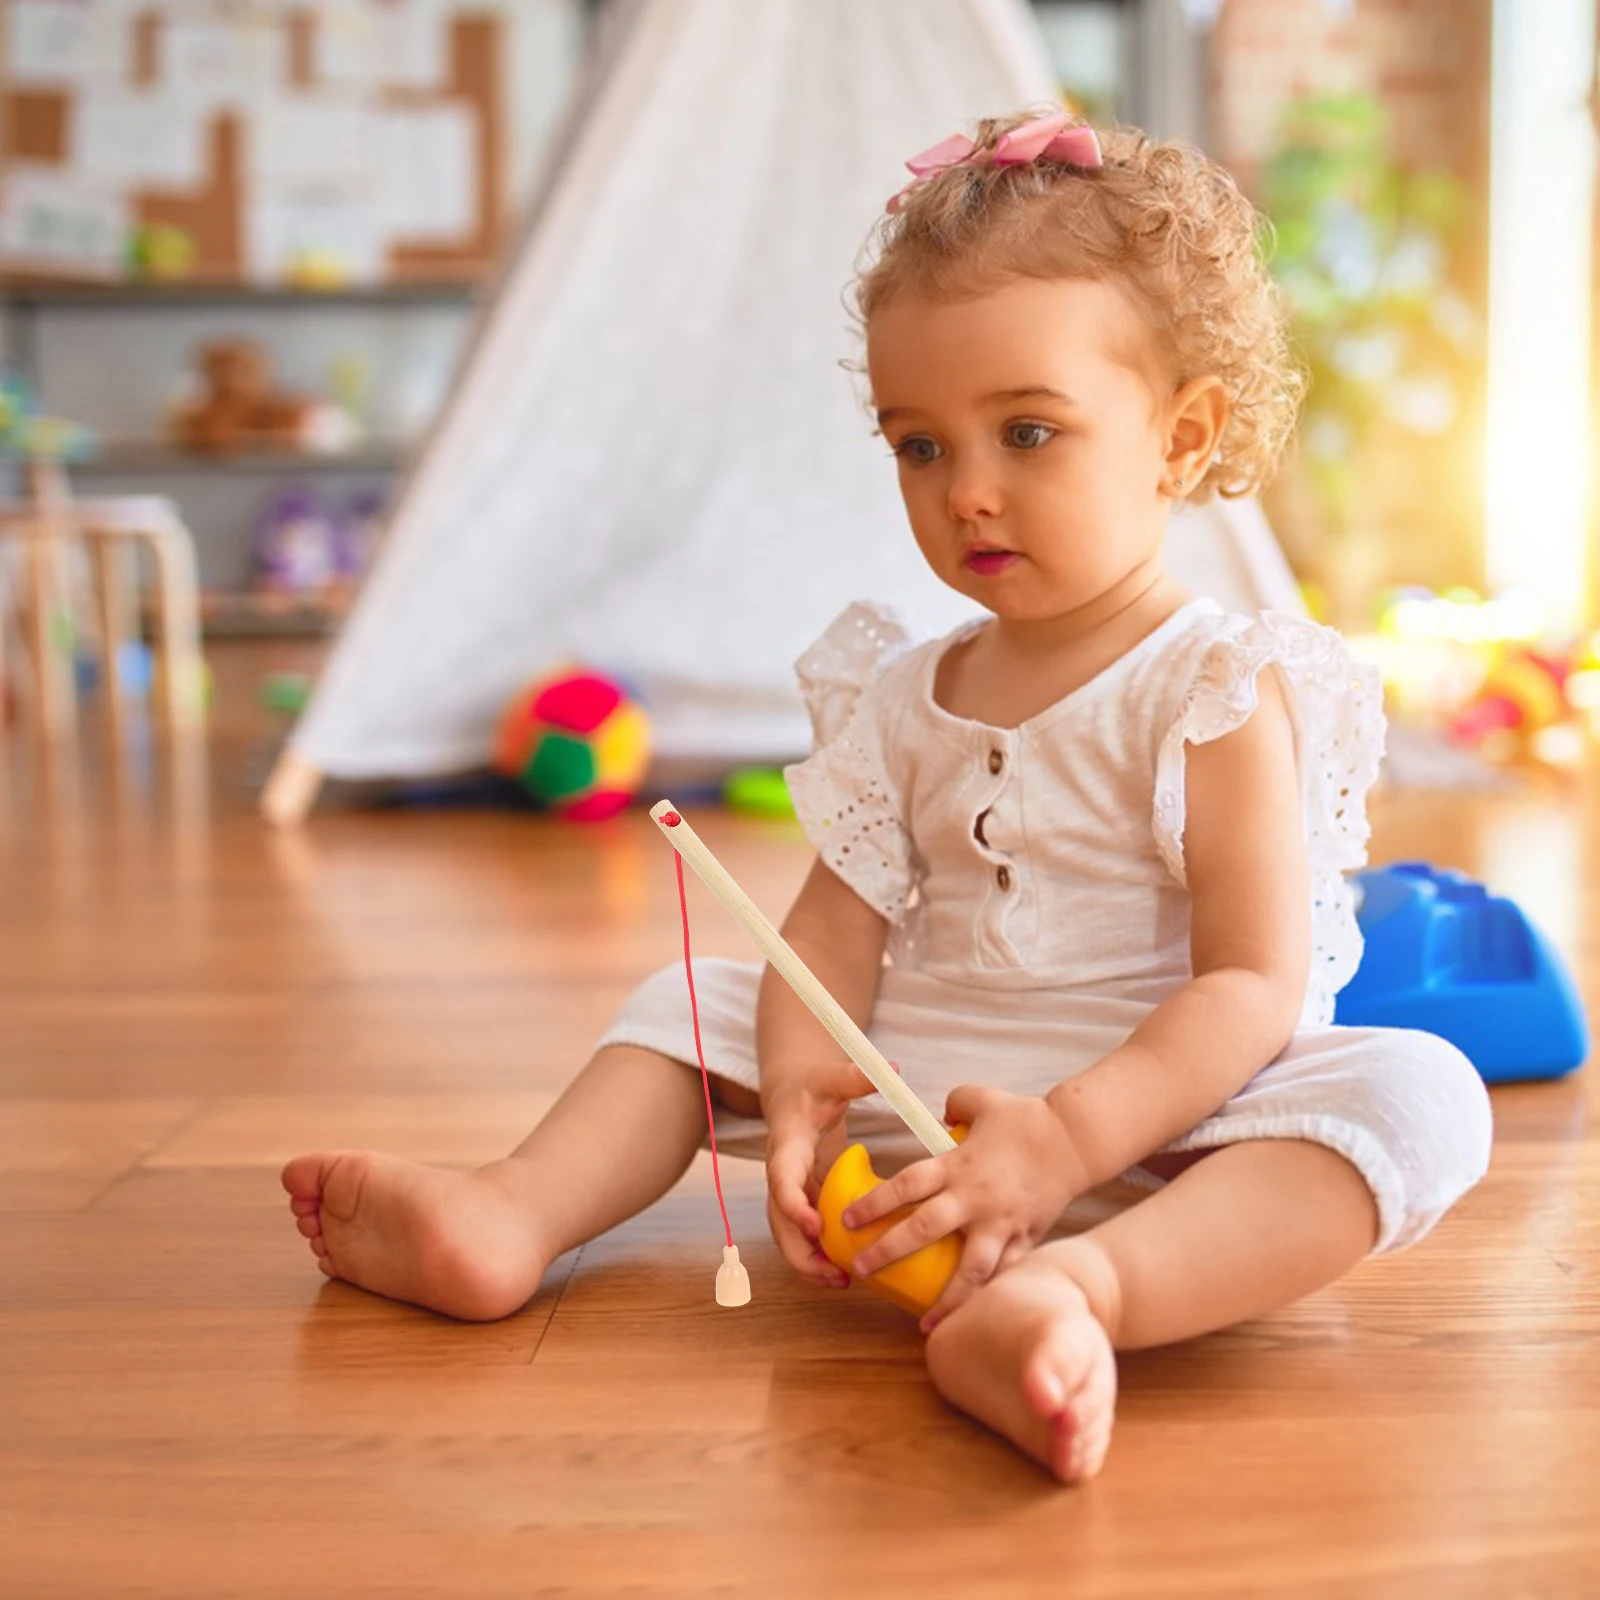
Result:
914,1282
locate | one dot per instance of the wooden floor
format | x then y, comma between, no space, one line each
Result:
188,1409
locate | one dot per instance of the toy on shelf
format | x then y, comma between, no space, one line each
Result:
1444,955
306,548
27,434
316,270
161,252
576,743
294,549
359,520
238,408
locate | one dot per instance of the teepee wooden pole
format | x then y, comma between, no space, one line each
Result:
935,1137
291,791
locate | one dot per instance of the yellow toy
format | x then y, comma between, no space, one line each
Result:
914,1282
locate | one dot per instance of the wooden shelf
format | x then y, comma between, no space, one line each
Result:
141,456
25,295
246,615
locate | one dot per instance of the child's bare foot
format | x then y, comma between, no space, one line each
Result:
456,1242
1028,1358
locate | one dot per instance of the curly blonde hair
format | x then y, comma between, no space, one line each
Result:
1166,225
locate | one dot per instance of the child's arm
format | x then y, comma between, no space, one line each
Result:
1250,934
807,1081
841,939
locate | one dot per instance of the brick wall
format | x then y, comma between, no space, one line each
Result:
1428,62
1426,59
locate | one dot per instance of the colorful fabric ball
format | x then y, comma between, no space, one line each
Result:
576,742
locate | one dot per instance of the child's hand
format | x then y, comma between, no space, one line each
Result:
1005,1185
805,1110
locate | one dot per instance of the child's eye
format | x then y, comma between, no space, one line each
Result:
917,449
1028,435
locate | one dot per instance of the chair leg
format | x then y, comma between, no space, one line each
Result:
53,685
5,644
178,629
108,568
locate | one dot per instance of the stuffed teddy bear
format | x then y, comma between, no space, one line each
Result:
237,406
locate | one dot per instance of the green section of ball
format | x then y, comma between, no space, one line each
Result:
561,767
758,792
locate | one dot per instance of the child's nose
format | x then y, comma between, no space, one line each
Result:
974,492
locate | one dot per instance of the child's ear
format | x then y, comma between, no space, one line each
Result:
1196,416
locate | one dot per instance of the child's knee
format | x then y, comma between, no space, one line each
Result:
1428,1106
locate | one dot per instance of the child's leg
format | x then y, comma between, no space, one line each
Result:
476,1244
1250,1228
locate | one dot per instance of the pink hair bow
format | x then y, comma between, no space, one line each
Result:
1055,136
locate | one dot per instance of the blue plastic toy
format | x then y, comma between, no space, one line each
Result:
1446,956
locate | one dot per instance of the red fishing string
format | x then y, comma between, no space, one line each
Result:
672,819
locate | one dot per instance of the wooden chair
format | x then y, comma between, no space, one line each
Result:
45,525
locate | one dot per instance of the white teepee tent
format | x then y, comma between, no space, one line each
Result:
651,461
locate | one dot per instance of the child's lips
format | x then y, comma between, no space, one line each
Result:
987,563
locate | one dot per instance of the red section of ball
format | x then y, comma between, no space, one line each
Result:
597,807
579,704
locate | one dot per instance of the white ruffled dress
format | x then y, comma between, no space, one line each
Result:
1033,880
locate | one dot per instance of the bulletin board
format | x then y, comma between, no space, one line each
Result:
363,141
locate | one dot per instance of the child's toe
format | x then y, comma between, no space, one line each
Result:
303,1177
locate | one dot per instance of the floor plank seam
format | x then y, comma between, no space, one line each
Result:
577,1256
139,1162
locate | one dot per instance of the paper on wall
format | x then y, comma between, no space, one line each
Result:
344,46
292,227
48,219
151,139
428,161
61,43
307,138
366,46
415,48
225,63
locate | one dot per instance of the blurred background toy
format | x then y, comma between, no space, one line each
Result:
758,792
237,407
285,693
28,435
576,742
135,669
160,251
1489,676
295,549
1523,693
358,523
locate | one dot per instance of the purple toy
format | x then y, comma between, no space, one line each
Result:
359,523
295,549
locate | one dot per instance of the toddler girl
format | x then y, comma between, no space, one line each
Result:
1098,835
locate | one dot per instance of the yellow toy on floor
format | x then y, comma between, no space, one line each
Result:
914,1282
